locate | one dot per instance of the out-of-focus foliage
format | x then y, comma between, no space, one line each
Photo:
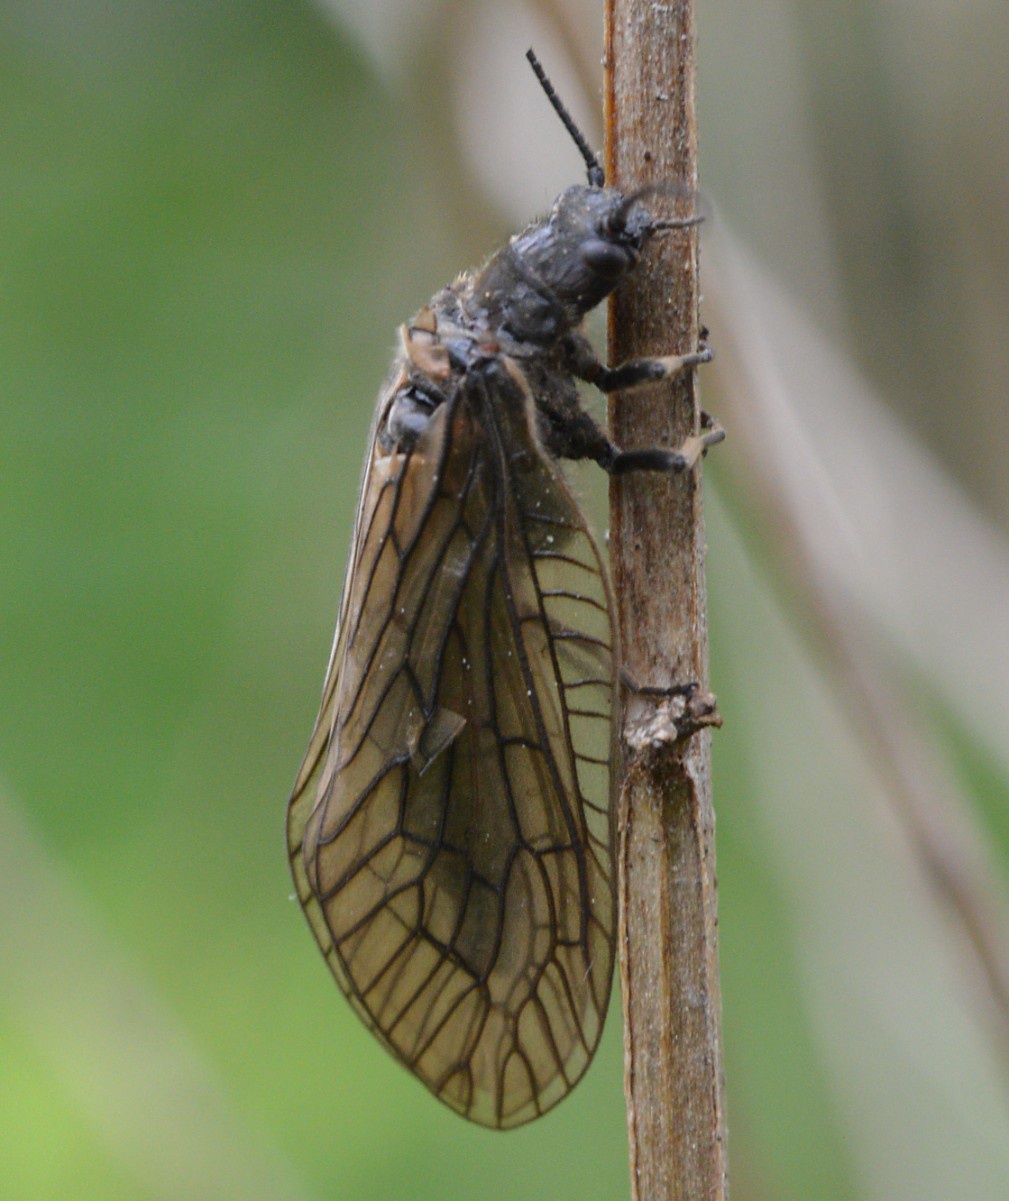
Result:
214,216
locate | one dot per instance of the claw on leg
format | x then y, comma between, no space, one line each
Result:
675,363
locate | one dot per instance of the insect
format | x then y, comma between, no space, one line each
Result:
451,828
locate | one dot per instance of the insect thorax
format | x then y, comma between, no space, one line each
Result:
443,344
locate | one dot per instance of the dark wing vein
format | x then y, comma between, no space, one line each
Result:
450,831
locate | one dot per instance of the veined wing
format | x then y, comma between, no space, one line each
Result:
451,828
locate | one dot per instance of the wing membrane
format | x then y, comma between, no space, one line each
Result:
450,830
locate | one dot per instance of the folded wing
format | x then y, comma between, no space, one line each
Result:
451,828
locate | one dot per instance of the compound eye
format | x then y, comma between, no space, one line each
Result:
606,259
407,418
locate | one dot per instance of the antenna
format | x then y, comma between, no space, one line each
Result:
597,176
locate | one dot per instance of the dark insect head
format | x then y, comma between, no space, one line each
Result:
596,242
592,239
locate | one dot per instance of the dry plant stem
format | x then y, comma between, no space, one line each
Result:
668,925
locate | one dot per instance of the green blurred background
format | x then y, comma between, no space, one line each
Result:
213,217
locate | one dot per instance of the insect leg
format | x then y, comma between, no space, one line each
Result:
586,365
697,707
657,691
577,435
660,458
571,433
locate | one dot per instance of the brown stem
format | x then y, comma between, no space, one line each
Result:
668,925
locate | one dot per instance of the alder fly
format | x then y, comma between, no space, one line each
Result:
451,828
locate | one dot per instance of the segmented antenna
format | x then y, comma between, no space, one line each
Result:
597,176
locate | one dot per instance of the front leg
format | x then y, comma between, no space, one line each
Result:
585,364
